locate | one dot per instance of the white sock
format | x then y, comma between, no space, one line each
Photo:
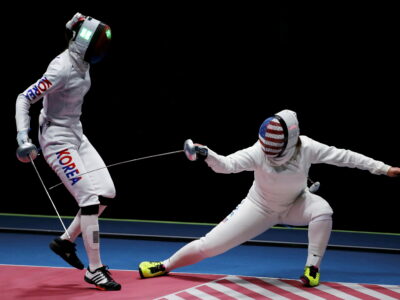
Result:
74,229
91,240
319,231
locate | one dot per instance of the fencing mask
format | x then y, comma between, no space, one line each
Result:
278,135
90,37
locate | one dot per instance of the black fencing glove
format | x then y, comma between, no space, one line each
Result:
201,152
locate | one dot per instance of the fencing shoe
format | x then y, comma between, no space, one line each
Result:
310,277
101,278
67,251
149,269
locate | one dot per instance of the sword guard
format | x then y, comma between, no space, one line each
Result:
190,150
26,152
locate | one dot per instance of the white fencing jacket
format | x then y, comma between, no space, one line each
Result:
63,87
274,187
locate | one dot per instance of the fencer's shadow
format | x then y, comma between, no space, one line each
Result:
47,291
192,277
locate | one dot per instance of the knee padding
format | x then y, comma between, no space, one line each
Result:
105,201
93,236
90,210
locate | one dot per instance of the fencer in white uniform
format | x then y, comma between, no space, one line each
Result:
280,160
65,147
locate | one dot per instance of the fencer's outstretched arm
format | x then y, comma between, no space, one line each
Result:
242,160
393,172
321,153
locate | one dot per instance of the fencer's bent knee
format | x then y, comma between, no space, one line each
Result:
320,207
324,217
324,211
90,210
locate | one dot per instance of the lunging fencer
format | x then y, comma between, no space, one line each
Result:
280,160
64,145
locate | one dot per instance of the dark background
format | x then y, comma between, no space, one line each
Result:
213,73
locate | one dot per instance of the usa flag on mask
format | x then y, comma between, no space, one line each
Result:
271,137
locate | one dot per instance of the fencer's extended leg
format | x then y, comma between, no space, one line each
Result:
319,231
188,255
244,223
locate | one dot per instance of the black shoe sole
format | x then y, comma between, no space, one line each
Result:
306,282
116,287
57,249
141,274
143,277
